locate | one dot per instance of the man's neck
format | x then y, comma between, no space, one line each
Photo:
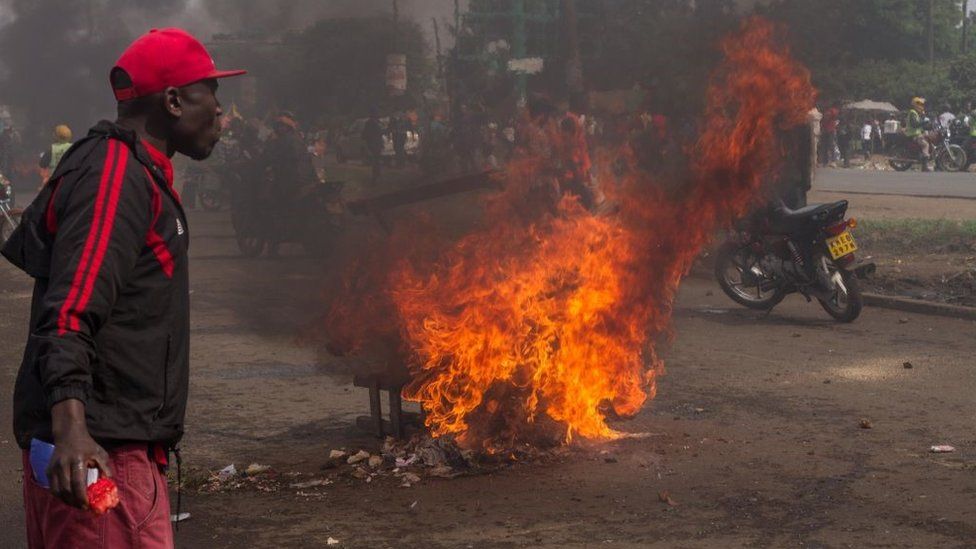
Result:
141,127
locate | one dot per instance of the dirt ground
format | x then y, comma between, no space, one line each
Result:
755,435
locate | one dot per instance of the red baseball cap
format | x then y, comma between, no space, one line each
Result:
162,58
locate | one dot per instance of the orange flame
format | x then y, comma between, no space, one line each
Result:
540,325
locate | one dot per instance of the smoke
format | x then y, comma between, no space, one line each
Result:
55,55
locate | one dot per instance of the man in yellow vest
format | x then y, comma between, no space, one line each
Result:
51,157
915,131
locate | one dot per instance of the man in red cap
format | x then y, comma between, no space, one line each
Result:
105,370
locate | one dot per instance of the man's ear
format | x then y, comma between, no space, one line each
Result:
173,102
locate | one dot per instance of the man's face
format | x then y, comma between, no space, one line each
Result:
197,128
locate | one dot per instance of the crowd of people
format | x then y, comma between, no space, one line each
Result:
847,133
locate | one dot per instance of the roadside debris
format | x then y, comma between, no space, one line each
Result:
866,424
337,454
907,365
256,469
311,484
362,455
942,449
665,497
180,517
332,541
227,473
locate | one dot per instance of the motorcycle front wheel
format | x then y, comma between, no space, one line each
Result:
6,229
739,276
846,301
210,200
951,159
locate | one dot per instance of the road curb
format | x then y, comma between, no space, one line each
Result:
919,306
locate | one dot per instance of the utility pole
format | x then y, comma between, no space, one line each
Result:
518,49
965,26
437,46
574,67
396,27
931,30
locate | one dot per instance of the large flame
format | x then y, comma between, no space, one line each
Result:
542,324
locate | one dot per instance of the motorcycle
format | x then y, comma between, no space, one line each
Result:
9,217
314,223
961,136
949,157
809,251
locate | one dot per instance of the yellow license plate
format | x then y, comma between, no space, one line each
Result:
841,245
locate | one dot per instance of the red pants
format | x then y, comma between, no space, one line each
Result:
140,520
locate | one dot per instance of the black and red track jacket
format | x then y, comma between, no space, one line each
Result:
106,243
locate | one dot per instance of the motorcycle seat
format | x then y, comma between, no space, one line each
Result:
787,220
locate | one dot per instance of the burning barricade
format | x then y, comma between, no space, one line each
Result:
538,326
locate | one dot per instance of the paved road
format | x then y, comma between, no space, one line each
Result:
913,183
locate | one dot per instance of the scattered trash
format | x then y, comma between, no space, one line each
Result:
665,497
375,461
826,382
180,517
414,504
866,424
410,478
256,469
942,449
406,462
902,320
360,473
227,473
311,484
907,365
443,471
337,454
332,541
362,455
699,410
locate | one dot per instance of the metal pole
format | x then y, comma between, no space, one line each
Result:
965,26
396,27
574,67
518,49
437,46
931,29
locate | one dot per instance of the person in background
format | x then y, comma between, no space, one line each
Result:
373,138
8,145
52,156
398,135
915,131
845,139
290,171
947,116
828,135
867,141
971,118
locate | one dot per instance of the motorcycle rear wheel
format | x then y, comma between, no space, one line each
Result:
844,306
732,271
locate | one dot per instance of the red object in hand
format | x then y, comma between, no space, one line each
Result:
102,496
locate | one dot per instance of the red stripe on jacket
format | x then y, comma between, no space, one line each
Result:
105,236
153,240
80,272
87,269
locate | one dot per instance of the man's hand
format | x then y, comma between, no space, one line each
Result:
74,452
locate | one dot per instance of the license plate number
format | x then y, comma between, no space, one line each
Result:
841,245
